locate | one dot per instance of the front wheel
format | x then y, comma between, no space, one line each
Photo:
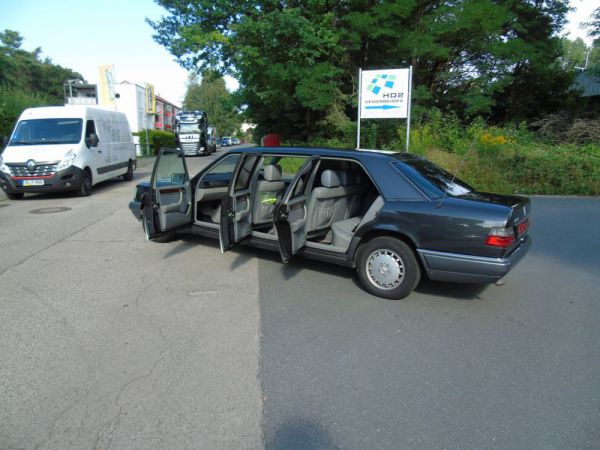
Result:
387,267
129,174
86,184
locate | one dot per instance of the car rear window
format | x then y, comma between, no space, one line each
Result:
432,179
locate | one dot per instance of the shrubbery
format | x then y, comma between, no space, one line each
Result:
509,160
157,140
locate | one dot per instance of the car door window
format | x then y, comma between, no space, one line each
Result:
245,174
170,170
220,174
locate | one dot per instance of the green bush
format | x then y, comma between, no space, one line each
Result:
157,140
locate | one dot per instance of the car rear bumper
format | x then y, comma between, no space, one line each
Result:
441,266
66,180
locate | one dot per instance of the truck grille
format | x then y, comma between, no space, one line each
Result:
189,149
39,170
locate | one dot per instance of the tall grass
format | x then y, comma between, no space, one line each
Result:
504,160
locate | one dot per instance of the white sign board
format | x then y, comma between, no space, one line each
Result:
385,94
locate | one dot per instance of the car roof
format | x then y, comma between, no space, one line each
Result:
362,154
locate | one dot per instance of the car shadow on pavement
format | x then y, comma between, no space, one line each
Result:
300,434
245,254
458,291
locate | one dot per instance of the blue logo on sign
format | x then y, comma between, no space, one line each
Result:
381,81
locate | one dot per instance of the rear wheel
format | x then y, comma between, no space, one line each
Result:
15,196
129,174
86,184
387,267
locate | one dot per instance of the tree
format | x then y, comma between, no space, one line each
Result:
29,72
574,53
210,95
594,26
297,61
26,80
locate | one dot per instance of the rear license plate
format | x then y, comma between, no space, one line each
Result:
32,183
522,227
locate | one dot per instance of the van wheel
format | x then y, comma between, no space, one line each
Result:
15,196
387,267
129,174
86,184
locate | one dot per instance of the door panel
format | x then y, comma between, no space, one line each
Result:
236,207
168,205
212,187
290,215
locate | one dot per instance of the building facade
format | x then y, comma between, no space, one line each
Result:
130,99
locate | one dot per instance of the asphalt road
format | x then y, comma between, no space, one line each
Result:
109,341
515,366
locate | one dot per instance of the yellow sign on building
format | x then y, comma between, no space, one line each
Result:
150,99
107,84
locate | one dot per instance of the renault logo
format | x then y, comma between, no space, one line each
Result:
30,165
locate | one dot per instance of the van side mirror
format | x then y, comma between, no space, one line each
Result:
92,140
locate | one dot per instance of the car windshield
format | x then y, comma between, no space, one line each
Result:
431,178
47,131
188,128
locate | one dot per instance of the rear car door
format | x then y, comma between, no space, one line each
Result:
236,206
167,206
290,215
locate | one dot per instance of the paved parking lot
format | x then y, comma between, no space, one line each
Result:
109,341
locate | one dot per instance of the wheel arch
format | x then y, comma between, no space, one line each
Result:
373,233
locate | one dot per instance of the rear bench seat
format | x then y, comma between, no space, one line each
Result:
343,231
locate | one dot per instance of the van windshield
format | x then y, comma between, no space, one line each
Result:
47,131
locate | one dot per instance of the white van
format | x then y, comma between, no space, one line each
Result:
66,148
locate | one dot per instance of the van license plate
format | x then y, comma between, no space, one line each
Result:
33,183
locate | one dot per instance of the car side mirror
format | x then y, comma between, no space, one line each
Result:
92,140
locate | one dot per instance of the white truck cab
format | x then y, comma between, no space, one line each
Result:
66,148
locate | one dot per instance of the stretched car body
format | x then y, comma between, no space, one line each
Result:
360,201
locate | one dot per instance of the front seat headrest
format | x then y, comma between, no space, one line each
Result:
272,173
330,179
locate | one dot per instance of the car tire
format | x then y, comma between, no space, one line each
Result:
129,174
85,189
387,267
15,196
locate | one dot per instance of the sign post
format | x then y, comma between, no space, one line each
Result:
384,94
150,108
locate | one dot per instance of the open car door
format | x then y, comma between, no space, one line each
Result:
167,206
289,216
236,206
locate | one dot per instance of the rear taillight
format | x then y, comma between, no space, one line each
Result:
522,227
500,237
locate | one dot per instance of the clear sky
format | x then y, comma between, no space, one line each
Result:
84,34
583,9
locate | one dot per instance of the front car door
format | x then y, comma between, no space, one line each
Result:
290,215
236,207
167,206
